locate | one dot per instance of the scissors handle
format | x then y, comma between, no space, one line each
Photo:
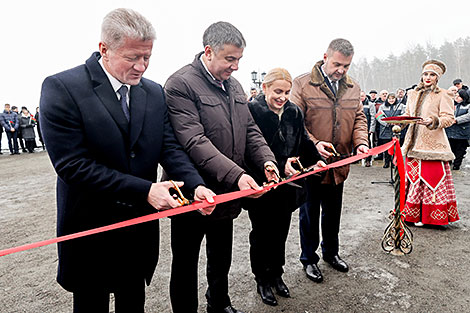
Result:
178,195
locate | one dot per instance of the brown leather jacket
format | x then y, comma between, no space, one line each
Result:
339,120
216,129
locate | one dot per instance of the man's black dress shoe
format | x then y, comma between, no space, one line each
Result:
281,288
313,273
337,263
229,309
266,294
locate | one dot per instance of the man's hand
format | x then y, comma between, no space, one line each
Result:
321,147
12,129
271,172
202,193
362,149
247,182
159,195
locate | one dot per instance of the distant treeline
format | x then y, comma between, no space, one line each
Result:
404,70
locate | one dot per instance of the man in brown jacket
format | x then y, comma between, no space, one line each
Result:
211,119
336,123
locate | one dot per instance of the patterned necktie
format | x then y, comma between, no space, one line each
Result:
333,86
123,92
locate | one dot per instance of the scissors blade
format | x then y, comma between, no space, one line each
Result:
294,185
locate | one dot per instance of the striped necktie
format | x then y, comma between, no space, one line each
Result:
123,92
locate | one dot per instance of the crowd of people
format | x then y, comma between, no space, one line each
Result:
107,128
19,127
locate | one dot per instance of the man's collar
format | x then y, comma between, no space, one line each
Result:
205,66
114,82
220,83
324,74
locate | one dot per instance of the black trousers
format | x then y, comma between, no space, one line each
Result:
387,157
21,140
329,198
459,148
371,145
130,298
187,232
30,145
270,228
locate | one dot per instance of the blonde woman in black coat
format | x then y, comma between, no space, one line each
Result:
282,125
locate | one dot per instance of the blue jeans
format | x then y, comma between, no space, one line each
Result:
12,141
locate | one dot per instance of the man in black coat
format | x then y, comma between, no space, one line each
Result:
107,129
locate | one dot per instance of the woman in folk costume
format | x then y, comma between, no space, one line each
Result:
430,192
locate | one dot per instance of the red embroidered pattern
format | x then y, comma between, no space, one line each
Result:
423,204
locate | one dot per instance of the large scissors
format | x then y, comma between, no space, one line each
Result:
176,193
272,170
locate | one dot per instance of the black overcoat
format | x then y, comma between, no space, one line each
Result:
105,167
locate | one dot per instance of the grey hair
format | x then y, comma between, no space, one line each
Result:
223,33
341,45
122,23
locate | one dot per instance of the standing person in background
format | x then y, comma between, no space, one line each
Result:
401,99
454,90
106,129
388,109
369,111
401,96
253,94
430,192
334,119
19,135
459,84
10,122
381,100
372,96
209,112
27,129
1,133
282,125
36,117
459,132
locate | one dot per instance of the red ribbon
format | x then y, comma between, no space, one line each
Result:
223,198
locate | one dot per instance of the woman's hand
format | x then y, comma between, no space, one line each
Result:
426,122
319,165
289,169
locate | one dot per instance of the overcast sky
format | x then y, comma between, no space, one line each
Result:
40,38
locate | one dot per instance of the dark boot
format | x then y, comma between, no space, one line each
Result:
266,293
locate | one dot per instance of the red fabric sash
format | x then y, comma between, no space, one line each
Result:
432,173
